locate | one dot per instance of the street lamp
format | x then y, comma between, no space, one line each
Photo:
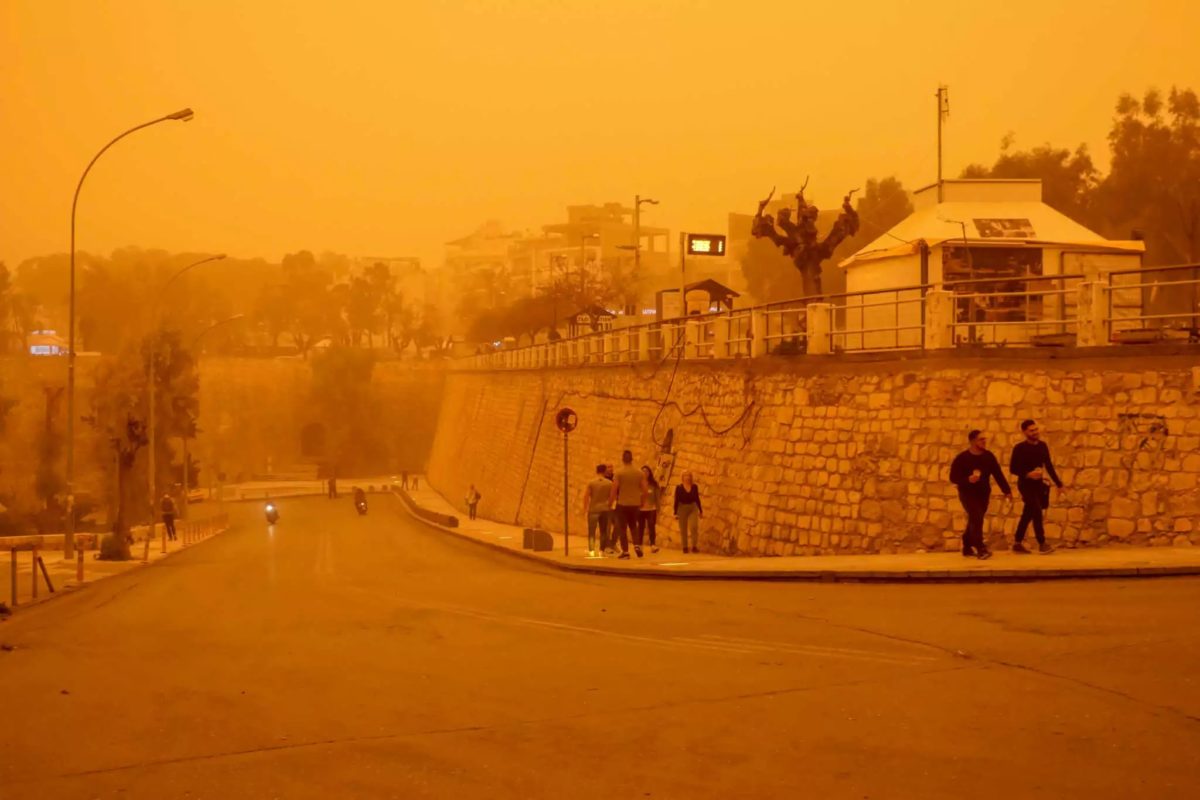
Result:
195,342
638,201
183,115
150,481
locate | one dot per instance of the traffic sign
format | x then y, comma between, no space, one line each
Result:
566,420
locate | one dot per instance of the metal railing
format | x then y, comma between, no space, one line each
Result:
1158,303
1017,310
1141,307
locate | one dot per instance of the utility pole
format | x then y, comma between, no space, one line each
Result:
943,111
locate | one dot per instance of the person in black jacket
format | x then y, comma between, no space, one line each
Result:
972,471
1031,464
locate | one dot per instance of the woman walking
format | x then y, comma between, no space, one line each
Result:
688,511
648,515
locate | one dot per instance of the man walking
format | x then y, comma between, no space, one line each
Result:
1031,464
972,471
595,509
473,498
168,515
628,494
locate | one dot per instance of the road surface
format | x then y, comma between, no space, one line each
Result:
341,657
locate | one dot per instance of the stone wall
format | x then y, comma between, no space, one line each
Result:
811,456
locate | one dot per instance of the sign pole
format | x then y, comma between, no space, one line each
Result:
566,420
566,501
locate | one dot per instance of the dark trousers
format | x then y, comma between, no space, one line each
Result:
976,507
471,509
627,522
647,521
1033,495
169,524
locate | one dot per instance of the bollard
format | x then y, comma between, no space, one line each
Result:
13,565
79,565
146,549
164,537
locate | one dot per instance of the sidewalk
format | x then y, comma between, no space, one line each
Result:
64,573
907,567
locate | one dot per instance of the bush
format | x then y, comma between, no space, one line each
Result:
114,547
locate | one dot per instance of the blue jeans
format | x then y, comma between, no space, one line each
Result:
597,519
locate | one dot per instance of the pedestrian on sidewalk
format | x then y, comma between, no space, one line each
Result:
648,516
595,509
972,471
404,479
1031,464
473,498
688,511
333,487
628,494
414,483
168,515
608,544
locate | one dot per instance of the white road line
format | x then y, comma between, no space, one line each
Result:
847,651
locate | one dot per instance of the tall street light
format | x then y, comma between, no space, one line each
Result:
151,481
638,201
195,343
183,115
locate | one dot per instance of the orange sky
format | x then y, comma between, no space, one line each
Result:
387,128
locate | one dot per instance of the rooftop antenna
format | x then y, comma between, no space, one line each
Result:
943,112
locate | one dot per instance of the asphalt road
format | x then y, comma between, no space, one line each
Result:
343,657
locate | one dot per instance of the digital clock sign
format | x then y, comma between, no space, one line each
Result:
705,244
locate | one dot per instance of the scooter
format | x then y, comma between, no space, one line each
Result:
272,513
361,505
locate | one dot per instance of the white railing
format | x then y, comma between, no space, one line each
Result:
1032,311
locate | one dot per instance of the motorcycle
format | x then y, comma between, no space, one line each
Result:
360,504
272,513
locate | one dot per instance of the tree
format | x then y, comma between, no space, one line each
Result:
306,299
341,401
1154,183
16,314
1069,178
771,276
119,413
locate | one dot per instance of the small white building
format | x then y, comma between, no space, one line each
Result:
988,241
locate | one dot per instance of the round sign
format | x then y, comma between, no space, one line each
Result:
566,420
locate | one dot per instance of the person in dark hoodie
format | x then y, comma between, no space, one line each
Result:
972,471
1031,464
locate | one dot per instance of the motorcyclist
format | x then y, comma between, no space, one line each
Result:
360,498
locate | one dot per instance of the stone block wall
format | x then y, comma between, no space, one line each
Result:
813,456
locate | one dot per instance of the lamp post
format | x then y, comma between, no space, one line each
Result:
195,342
182,115
638,201
151,481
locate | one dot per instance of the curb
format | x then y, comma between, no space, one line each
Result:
818,576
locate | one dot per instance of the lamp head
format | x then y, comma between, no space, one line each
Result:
183,115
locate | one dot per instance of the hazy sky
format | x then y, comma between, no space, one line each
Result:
386,128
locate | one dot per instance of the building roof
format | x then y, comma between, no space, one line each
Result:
977,213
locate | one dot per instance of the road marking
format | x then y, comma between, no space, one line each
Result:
705,642
824,650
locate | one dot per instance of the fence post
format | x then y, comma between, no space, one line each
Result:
1092,326
33,568
820,329
12,556
79,565
939,319
721,327
758,333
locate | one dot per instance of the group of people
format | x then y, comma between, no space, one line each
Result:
972,471
620,504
